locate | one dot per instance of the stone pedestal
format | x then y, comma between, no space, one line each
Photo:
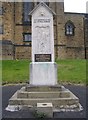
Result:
43,73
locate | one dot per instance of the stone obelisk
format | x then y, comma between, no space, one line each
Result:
43,69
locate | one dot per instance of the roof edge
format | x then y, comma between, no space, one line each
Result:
75,13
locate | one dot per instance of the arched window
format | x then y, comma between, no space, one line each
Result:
69,28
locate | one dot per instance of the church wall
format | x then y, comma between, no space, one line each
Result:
86,36
65,46
8,21
22,52
7,51
22,49
78,39
8,30
72,46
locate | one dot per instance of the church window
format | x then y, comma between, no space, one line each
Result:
27,37
69,28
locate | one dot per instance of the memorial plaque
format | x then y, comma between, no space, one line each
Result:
42,57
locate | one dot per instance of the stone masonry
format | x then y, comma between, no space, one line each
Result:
14,28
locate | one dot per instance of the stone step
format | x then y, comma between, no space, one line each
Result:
29,97
57,102
53,94
43,88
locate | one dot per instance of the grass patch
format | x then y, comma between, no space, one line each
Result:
71,71
15,71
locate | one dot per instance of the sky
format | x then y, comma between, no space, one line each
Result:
78,6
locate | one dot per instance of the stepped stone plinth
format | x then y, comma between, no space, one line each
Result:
61,98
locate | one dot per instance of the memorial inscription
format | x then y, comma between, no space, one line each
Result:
42,57
42,28
41,20
43,39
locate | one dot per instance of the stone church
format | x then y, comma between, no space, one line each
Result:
70,31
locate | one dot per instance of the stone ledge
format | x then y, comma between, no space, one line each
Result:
44,88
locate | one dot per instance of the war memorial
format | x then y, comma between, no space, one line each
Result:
43,93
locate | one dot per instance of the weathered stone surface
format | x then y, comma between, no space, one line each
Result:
46,108
66,102
43,92
40,73
31,88
57,102
23,52
42,47
42,31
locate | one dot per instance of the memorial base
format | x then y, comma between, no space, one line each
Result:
44,99
43,73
